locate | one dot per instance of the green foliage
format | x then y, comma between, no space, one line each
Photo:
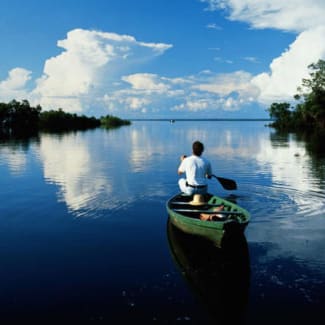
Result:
110,121
281,113
19,117
309,113
312,94
58,120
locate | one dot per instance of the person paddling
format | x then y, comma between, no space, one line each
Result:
197,169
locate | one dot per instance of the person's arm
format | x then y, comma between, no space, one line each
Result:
209,171
181,170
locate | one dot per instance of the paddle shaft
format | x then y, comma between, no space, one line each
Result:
227,184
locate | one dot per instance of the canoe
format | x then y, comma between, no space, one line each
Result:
186,217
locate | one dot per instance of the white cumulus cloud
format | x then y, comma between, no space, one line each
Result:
225,84
15,85
298,16
96,68
88,58
146,81
290,15
202,92
288,70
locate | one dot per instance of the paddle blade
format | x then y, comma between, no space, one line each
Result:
226,183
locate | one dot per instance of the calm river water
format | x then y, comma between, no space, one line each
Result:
85,236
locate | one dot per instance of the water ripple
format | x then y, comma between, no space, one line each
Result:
280,200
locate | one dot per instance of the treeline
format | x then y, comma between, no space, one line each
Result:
18,117
58,120
21,118
110,121
309,113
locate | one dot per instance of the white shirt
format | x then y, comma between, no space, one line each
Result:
196,169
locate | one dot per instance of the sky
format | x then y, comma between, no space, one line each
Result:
161,58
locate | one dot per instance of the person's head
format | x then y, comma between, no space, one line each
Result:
197,148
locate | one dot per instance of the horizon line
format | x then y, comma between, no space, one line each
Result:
200,119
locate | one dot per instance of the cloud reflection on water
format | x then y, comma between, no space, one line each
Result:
68,163
98,173
15,159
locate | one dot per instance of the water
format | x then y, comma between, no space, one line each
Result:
85,235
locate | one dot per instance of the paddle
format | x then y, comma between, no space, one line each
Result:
226,183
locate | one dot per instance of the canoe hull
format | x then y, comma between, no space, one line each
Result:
187,219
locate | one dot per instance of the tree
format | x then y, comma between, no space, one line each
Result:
110,121
312,93
19,117
281,113
309,113
58,120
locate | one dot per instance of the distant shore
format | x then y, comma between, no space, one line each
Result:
203,119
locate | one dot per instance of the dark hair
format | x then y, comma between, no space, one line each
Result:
197,148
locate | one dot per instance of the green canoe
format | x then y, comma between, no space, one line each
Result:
186,217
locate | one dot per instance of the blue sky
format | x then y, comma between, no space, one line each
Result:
158,59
